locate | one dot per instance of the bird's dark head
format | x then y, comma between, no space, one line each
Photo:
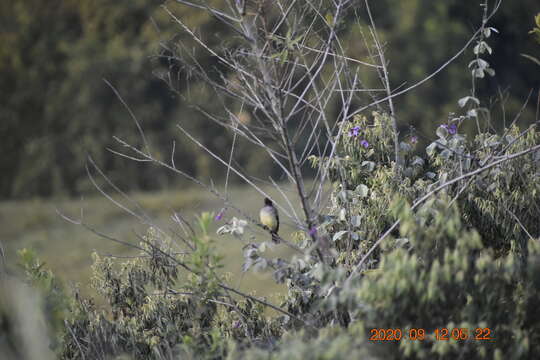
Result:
268,202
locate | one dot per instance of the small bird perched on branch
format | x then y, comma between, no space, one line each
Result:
270,218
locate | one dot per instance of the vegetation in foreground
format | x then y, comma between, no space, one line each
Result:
465,264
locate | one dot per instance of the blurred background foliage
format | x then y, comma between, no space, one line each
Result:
56,109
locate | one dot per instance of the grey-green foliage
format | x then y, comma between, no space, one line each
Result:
441,277
447,265
330,344
366,185
491,202
164,305
536,32
466,258
444,266
446,278
495,199
146,320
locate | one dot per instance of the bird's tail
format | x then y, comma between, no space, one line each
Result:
275,237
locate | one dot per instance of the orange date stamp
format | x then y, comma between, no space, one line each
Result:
439,334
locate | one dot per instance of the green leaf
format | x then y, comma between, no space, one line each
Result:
318,271
477,63
284,56
446,153
368,165
402,242
532,58
343,195
537,20
343,215
488,30
464,100
405,147
490,71
339,235
362,190
329,19
418,161
481,48
441,132
297,40
478,73
430,150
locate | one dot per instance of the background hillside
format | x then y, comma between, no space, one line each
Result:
56,108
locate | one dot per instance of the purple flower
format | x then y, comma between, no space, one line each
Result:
236,324
414,139
452,128
313,231
354,132
219,215
364,143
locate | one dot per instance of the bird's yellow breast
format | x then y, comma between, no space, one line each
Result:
268,218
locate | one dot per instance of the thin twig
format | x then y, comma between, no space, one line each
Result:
139,128
2,258
430,76
386,82
75,338
518,221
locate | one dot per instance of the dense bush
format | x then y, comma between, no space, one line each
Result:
440,268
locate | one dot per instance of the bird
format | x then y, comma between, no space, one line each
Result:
270,219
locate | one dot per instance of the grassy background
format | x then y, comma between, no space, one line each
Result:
66,248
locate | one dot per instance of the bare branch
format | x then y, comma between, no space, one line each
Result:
386,82
133,117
